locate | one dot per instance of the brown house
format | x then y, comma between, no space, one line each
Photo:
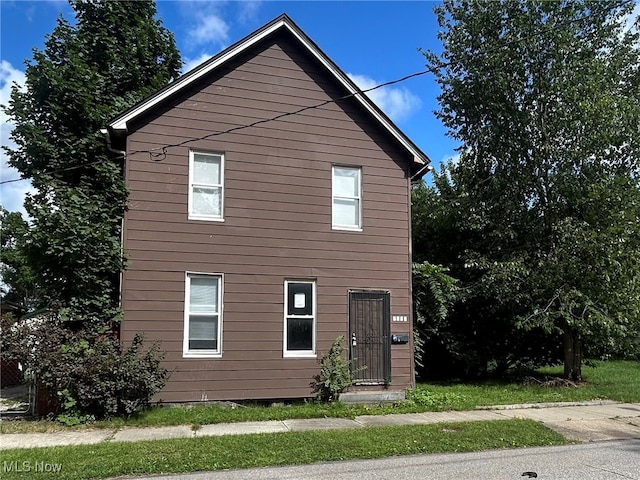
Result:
269,213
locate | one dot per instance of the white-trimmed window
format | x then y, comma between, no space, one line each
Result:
203,315
299,318
206,186
346,198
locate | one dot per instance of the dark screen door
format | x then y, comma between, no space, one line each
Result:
369,327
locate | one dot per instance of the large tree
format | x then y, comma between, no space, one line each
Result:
18,282
115,54
540,215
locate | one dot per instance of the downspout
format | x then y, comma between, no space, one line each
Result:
123,155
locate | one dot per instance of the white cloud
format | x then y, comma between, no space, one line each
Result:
191,63
397,102
11,194
453,158
8,75
208,24
210,28
249,10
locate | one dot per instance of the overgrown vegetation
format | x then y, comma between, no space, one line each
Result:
335,372
434,294
85,379
538,221
113,55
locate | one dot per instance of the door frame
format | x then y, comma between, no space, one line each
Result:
377,377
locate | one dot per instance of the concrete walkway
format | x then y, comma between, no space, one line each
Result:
583,421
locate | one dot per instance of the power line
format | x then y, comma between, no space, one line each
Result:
430,69
277,117
153,152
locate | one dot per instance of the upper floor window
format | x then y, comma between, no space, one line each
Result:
346,198
203,315
206,186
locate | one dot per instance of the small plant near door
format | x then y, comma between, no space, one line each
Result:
335,372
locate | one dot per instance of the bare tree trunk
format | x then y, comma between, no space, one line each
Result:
572,355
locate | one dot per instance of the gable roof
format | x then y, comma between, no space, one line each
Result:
119,124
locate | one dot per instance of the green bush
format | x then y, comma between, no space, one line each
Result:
335,372
87,375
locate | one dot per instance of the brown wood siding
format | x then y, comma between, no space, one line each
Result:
277,224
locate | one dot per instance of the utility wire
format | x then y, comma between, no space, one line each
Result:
277,117
153,153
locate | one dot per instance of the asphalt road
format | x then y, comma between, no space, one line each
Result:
614,460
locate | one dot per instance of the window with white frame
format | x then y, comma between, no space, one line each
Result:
346,198
299,318
203,315
206,185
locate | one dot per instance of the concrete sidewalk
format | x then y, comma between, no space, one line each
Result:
581,421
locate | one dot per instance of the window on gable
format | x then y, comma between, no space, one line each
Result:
346,198
206,186
203,315
299,318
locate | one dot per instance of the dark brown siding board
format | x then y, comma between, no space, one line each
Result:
285,379
266,285
336,153
332,130
291,373
313,172
249,370
364,278
384,228
277,225
259,383
322,128
205,243
390,272
267,209
379,227
307,172
158,231
275,256
326,120
379,201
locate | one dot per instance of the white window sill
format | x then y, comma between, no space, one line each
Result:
301,354
203,354
346,229
205,218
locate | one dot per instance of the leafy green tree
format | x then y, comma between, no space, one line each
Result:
434,293
116,54
17,278
543,206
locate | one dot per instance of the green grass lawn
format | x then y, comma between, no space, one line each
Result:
614,380
245,451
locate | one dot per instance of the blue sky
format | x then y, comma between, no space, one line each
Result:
373,41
